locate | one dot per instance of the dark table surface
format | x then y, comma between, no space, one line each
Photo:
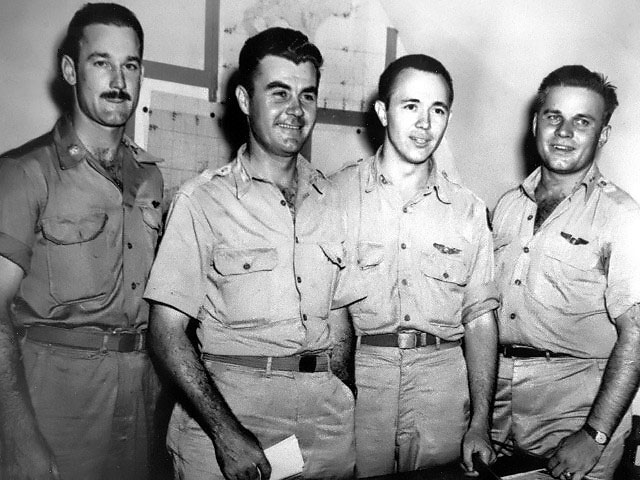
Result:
504,466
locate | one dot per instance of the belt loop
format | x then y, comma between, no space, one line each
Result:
358,341
141,338
268,369
105,340
437,343
547,355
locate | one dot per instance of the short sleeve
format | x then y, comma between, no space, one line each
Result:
178,275
623,280
20,192
481,295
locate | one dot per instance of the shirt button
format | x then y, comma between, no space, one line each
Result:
339,260
246,266
403,246
407,318
517,282
297,240
283,203
530,217
299,279
525,249
445,275
512,316
405,209
404,282
304,317
129,245
133,286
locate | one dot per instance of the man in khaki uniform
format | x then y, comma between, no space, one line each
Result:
252,253
79,221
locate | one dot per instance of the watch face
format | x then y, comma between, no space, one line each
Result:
601,438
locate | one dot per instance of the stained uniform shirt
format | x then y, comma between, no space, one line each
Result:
85,245
259,279
563,287
427,263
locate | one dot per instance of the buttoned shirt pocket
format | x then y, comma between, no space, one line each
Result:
568,276
152,218
335,252
78,257
247,284
370,254
444,277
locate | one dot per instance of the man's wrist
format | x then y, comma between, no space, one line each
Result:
598,436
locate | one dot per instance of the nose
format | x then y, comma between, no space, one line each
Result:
424,121
565,129
117,79
294,107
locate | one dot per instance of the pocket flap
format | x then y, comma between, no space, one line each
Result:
238,261
445,268
578,256
370,254
334,252
152,217
71,230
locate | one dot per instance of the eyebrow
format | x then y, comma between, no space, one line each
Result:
434,104
131,58
558,112
279,84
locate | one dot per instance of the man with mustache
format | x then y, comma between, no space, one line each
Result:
425,254
79,221
568,272
251,256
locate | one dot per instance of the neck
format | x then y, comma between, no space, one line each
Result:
98,139
408,177
554,185
278,170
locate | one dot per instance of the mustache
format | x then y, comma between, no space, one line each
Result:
116,95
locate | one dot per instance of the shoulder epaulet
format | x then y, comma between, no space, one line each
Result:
223,171
139,153
607,187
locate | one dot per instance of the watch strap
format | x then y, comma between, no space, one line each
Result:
599,437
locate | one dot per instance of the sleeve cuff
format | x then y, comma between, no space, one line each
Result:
16,251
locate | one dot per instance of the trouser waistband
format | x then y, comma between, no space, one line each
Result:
307,363
112,340
407,340
517,351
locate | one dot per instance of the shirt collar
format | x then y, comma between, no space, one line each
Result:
437,180
71,150
590,181
244,173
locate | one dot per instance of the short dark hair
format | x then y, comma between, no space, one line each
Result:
98,13
281,42
579,76
420,62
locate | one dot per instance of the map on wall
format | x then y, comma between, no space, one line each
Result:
351,34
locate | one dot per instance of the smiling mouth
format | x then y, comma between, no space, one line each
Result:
420,141
289,127
562,148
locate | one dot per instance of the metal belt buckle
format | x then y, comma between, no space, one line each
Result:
307,364
406,340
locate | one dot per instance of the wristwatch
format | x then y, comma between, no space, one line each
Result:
599,437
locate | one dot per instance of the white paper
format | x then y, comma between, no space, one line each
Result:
285,458
532,475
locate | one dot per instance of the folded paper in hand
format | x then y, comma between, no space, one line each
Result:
285,458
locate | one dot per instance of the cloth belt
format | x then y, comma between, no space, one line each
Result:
516,351
308,363
405,340
113,341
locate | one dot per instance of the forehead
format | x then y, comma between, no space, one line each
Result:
272,68
112,39
573,101
428,87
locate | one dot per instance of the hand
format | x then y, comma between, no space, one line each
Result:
574,456
240,455
477,440
28,458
